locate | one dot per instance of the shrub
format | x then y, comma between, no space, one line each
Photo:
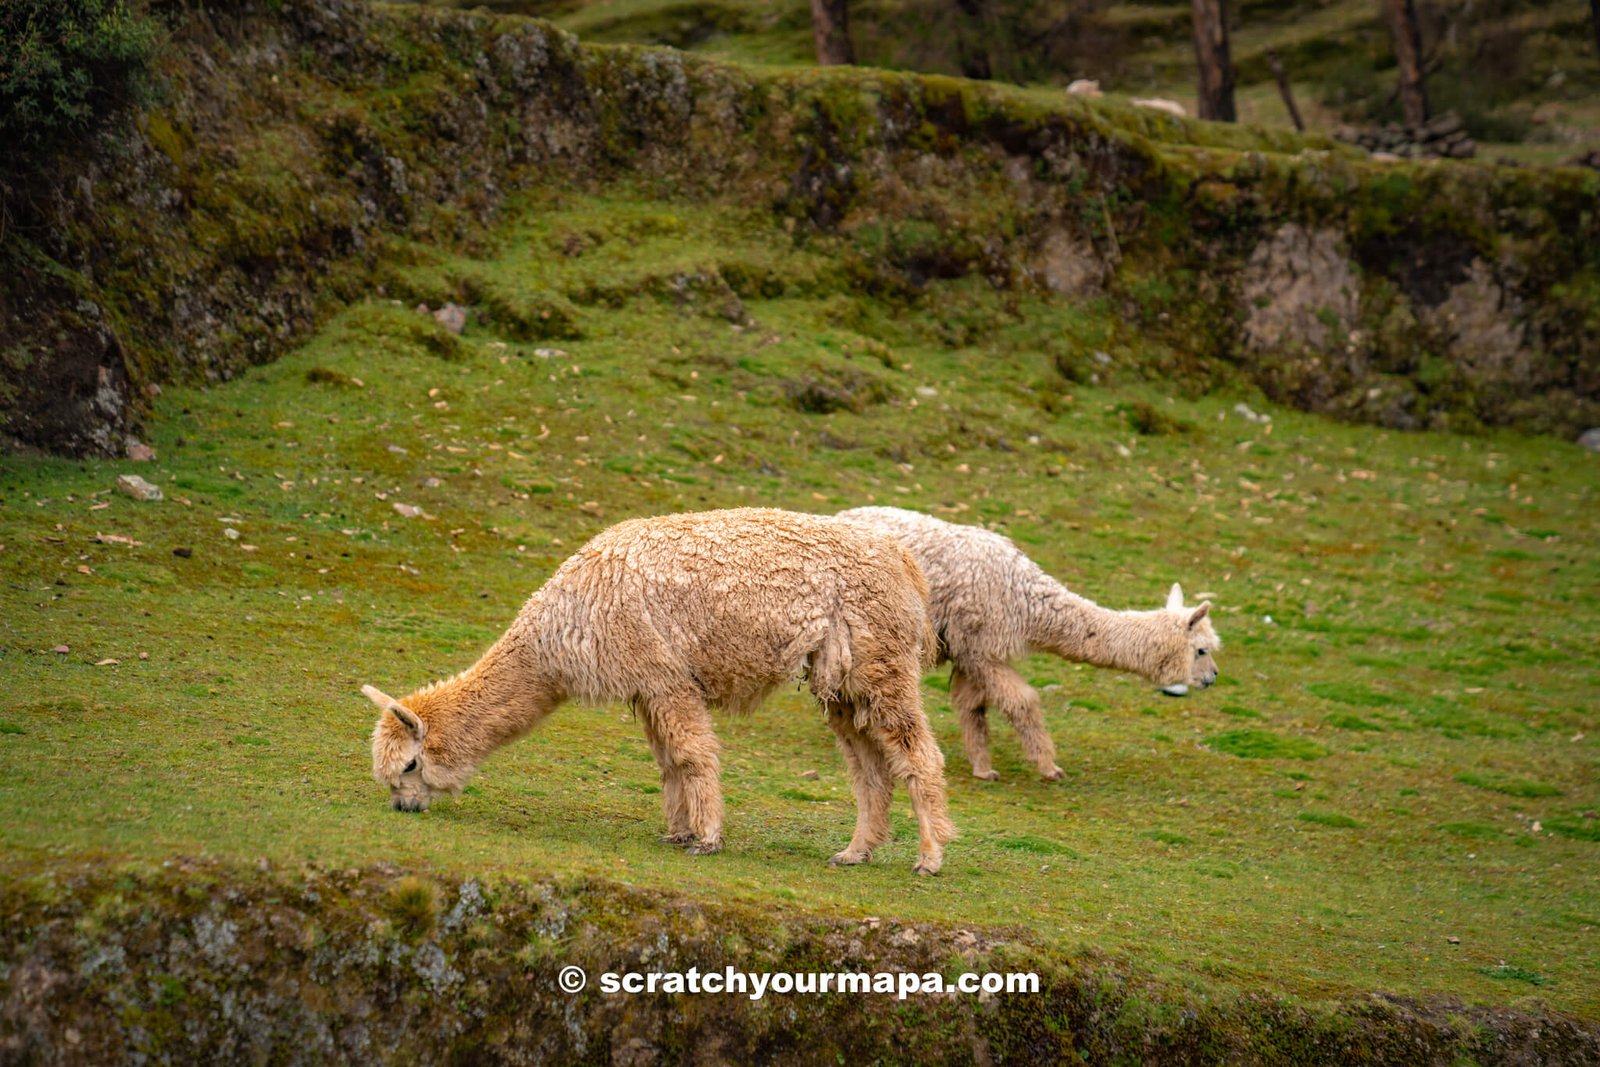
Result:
69,66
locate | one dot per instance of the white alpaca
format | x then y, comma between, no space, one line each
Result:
683,612
989,604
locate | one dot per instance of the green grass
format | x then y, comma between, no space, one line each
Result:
1506,972
1511,787
1329,818
1481,831
244,733
1353,722
1582,828
1352,693
1263,744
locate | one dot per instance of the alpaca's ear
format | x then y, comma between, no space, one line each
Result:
1199,613
388,703
418,728
1175,598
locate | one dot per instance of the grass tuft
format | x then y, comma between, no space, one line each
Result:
1506,972
328,376
1263,744
1481,831
1579,828
1329,818
1352,693
1345,721
1039,846
412,904
1511,787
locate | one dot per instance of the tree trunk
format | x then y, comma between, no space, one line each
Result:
1211,55
970,50
1408,51
830,24
1286,91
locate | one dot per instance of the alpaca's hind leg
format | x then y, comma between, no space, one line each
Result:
690,747
869,778
1019,703
901,732
967,699
672,802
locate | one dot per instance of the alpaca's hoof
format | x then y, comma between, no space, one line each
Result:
986,776
685,837
1054,774
848,858
927,867
704,848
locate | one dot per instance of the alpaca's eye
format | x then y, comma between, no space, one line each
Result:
410,767
1202,652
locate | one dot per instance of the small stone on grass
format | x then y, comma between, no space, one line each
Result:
136,487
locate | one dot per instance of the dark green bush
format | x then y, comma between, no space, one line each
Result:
69,66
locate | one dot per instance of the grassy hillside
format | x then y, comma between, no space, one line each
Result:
1392,787
695,284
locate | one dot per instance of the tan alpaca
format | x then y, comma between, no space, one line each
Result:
991,604
683,612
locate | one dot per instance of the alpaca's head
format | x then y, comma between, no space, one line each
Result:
403,760
1194,663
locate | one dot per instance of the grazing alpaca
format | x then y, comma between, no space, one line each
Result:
679,613
990,604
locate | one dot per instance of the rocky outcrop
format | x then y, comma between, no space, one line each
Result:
1301,296
1299,289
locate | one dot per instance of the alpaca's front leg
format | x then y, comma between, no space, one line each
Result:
689,756
1019,702
1004,690
672,802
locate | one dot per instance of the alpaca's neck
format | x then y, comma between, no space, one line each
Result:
1080,630
491,703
